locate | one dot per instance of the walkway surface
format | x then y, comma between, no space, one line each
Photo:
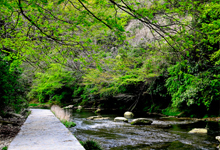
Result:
43,131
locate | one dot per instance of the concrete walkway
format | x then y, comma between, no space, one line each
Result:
43,131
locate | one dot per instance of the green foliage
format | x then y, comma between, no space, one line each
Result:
190,89
5,148
68,124
81,49
11,91
79,110
122,72
40,105
195,80
171,111
33,105
52,85
91,145
210,23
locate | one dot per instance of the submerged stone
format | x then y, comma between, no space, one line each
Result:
141,121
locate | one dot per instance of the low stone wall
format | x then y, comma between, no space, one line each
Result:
62,114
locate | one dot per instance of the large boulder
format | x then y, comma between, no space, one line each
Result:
118,119
141,121
199,130
128,114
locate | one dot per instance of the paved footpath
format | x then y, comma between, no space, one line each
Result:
43,131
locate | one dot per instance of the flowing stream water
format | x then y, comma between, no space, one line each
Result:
164,133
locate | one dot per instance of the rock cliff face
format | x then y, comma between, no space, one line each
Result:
141,33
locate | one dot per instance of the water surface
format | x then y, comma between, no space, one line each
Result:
164,133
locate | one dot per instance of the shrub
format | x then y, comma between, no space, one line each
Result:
5,148
190,89
91,145
68,124
55,84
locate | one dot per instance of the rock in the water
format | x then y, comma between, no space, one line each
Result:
199,130
68,107
97,118
103,118
141,121
93,117
217,138
128,114
121,119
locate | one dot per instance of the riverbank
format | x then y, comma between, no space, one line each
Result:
9,128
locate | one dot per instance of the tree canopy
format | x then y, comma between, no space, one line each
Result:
96,49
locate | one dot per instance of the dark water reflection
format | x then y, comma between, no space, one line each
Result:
167,134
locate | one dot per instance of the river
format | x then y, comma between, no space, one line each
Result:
164,133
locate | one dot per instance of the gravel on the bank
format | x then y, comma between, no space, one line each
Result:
9,131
